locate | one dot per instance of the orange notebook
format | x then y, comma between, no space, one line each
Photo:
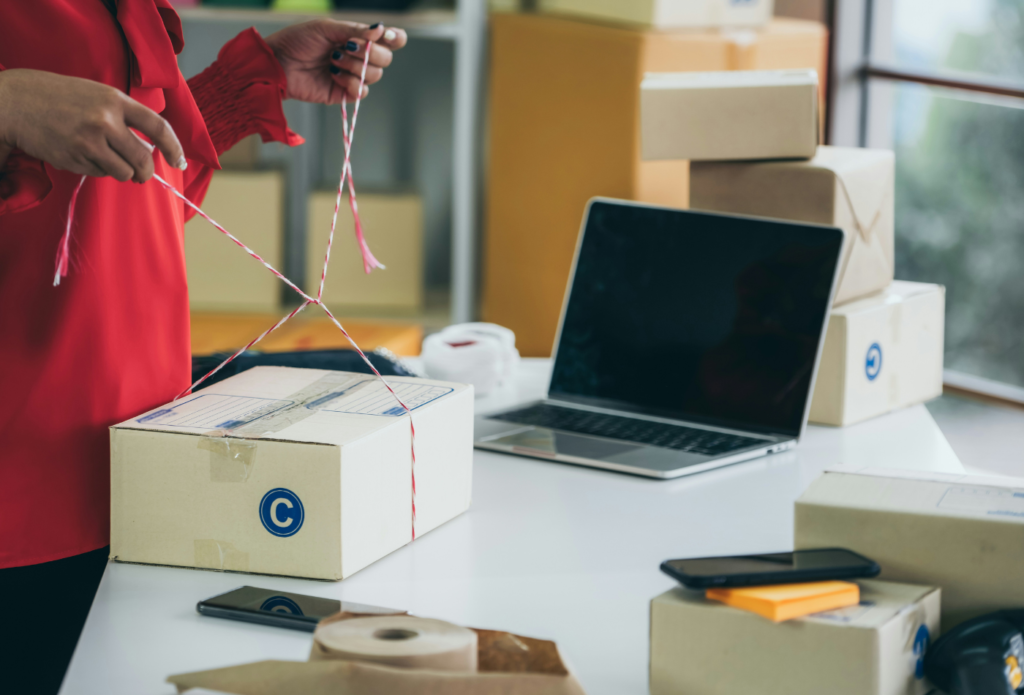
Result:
787,601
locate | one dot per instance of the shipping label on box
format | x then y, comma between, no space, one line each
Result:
699,646
881,353
846,187
751,114
668,14
299,472
964,534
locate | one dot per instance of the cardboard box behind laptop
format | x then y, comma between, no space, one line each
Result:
299,472
750,114
221,276
701,647
667,14
847,187
560,136
881,353
964,534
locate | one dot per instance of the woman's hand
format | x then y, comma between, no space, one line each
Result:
81,126
324,58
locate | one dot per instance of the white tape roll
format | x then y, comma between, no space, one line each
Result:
482,354
399,640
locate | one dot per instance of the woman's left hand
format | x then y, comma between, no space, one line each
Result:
324,58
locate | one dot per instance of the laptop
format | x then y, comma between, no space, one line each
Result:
688,341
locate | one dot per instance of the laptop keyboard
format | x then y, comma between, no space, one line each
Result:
677,437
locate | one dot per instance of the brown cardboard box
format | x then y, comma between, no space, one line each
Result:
964,534
881,353
722,115
221,276
297,472
701,647
565,127
667,14
393,224
847,187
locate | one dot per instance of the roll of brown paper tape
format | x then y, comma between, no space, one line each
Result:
399,640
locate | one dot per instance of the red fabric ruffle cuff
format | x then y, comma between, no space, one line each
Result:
242,93
23,183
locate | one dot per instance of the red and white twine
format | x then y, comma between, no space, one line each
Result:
369,264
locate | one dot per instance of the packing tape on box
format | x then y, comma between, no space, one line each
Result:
232,447
400,640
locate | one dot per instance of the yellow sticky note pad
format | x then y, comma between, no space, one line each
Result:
787,601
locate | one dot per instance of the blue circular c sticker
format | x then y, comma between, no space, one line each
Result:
281,604
281,512
921,641
873,361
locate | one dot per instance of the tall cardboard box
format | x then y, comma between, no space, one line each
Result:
847,187
393,224
565,126
298,472
964,534
701,647
667,14
221,276
881,353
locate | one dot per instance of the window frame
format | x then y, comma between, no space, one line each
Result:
862,71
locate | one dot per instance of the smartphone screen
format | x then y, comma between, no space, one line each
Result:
772,568
280,608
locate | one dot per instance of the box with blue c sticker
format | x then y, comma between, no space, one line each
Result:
297,472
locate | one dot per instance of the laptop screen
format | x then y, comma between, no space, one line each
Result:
696,316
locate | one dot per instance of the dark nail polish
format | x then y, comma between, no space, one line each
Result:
374,26
335,69
336,55
351,46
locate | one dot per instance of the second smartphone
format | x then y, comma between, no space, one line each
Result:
774,568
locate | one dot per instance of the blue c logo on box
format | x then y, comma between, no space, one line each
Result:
281,512
873,361
281,604
921,641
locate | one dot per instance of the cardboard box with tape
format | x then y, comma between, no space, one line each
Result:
847,187
298,472
723,115
964,534
667,14
222,277
881,353
577,135
875,648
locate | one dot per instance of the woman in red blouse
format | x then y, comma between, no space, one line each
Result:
112,340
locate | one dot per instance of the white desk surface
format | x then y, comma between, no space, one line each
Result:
546,550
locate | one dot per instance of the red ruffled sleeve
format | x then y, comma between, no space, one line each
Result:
242,93
23,182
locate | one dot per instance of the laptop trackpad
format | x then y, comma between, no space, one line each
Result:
545,441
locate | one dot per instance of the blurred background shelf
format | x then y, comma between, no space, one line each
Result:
419,134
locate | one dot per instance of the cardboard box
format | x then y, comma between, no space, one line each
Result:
221,276
881,353
298,472
667,14
755,114
393,225
700,647
962,533
847,187
565,127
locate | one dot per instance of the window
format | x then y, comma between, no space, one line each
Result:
941,82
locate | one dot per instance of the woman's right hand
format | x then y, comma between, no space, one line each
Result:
81,126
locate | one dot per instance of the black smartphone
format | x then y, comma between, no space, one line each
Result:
279,608
774,568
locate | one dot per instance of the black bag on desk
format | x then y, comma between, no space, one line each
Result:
337,360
